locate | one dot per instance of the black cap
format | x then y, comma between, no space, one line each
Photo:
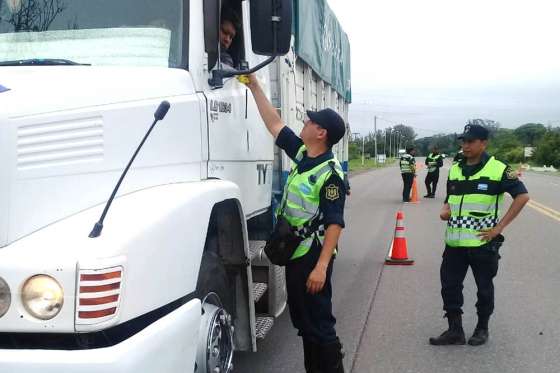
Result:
474,132
331,121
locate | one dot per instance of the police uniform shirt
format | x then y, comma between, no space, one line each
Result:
510,183
331,204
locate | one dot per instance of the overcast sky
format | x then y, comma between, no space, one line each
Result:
433,64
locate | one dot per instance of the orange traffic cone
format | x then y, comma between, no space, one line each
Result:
399,254
414,196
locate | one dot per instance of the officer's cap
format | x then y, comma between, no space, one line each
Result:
331,121
474,132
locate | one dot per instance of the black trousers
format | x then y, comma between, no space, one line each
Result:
408,178
311,314
431,181
456,262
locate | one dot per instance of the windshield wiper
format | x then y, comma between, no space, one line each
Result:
42,62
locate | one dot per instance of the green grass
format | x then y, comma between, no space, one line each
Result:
355,165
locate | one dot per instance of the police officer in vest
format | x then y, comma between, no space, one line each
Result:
433,162
408,170
475,194
314,192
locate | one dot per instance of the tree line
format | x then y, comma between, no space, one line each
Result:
505,143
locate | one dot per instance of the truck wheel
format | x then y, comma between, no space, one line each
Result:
215,343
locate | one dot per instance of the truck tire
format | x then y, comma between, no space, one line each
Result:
213,277
216,346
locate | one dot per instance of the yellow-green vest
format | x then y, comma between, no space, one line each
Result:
475,203
407,164
432,161
300,202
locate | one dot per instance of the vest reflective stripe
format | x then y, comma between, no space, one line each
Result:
300,202
473,212
463,239
478,207
297,213
307,205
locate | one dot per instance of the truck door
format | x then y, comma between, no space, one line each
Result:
240,147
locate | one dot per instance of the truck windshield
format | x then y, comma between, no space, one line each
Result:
92,32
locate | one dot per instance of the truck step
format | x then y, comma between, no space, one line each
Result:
256,250
264,324
259,288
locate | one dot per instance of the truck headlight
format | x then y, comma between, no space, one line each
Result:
42,297
5,297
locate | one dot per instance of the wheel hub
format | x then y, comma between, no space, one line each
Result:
215,349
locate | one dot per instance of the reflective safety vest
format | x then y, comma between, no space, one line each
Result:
300,202
407,164
475,203
432,161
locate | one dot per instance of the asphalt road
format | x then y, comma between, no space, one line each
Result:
386,314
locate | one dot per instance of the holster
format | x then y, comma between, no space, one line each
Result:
282,244
495,244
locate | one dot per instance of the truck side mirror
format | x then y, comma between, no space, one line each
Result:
271,26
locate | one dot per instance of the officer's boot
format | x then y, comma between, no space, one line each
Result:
452,336
480,335
331,358
311,356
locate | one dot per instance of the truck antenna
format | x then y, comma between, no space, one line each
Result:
159,114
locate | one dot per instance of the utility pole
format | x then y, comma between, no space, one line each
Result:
363,140
390,144
385,143
375,138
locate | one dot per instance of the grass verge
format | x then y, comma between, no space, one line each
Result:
355,165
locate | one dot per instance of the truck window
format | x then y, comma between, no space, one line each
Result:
96,32
225,34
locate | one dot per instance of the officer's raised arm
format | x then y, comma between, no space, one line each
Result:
268,112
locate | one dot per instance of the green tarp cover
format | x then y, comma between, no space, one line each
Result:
321,42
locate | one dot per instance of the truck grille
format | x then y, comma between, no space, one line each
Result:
98,295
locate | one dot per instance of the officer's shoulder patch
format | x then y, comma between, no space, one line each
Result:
332,192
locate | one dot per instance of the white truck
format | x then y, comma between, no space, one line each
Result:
174,279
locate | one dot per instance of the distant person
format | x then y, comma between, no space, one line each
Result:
407,165
458,156
228,30
475,194
434,161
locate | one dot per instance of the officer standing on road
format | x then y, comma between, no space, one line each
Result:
433,161
408,170
475,193
314,196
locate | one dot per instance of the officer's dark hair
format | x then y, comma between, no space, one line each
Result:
409,148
